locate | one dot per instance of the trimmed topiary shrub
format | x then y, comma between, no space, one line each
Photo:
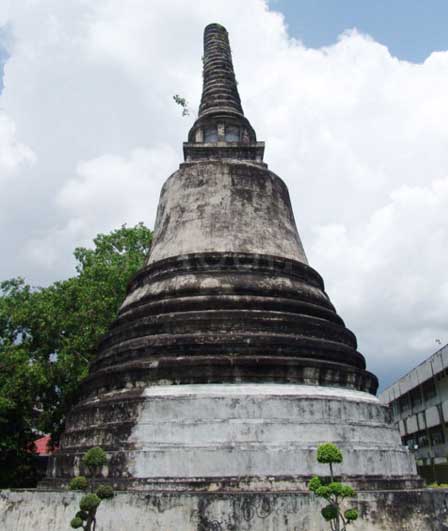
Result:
94,459
85,519
105,492
79,483
329,453
89,502
333,492
76,522
351,515
330,512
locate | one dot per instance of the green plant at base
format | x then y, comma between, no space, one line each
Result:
94,459
89,502
330,512
76,523
78,483
351,515
105,492
333,492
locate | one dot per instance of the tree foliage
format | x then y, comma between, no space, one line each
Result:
47,339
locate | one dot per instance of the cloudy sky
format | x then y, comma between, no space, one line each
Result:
350,97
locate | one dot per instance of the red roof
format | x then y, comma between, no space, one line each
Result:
42,445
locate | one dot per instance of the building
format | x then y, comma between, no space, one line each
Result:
228,363
419,403
42,451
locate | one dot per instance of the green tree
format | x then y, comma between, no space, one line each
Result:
49,335
333,492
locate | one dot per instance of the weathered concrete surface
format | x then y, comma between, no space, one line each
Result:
419,510
225,206
225,431
263,430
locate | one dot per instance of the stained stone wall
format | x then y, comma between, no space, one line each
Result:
220,432
418,510
225,206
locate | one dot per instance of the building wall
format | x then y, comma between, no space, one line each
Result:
419,402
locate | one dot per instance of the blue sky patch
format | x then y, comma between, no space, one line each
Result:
411,29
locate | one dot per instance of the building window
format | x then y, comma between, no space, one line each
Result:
416,397
422,440
404,403
429,389
436,435
411,443
232,134
211,134
395,407
442,375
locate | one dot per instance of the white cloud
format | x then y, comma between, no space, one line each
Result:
90,131
389,274
13,154
112,187
104,191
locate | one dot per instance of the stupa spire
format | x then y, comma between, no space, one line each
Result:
221,130
219,90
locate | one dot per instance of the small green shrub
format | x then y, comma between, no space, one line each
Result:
329,453
82,514
330,512
89,502
336,488
79,483
314,483
323,491
348,492
95,458
105,492
351,515
76,522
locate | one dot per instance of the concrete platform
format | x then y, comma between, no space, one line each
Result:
264,435
417,510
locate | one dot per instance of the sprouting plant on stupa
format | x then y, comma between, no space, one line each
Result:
182,102
85,518
333,492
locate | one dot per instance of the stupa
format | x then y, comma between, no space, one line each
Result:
227,363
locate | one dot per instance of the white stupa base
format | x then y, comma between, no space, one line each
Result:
219,431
